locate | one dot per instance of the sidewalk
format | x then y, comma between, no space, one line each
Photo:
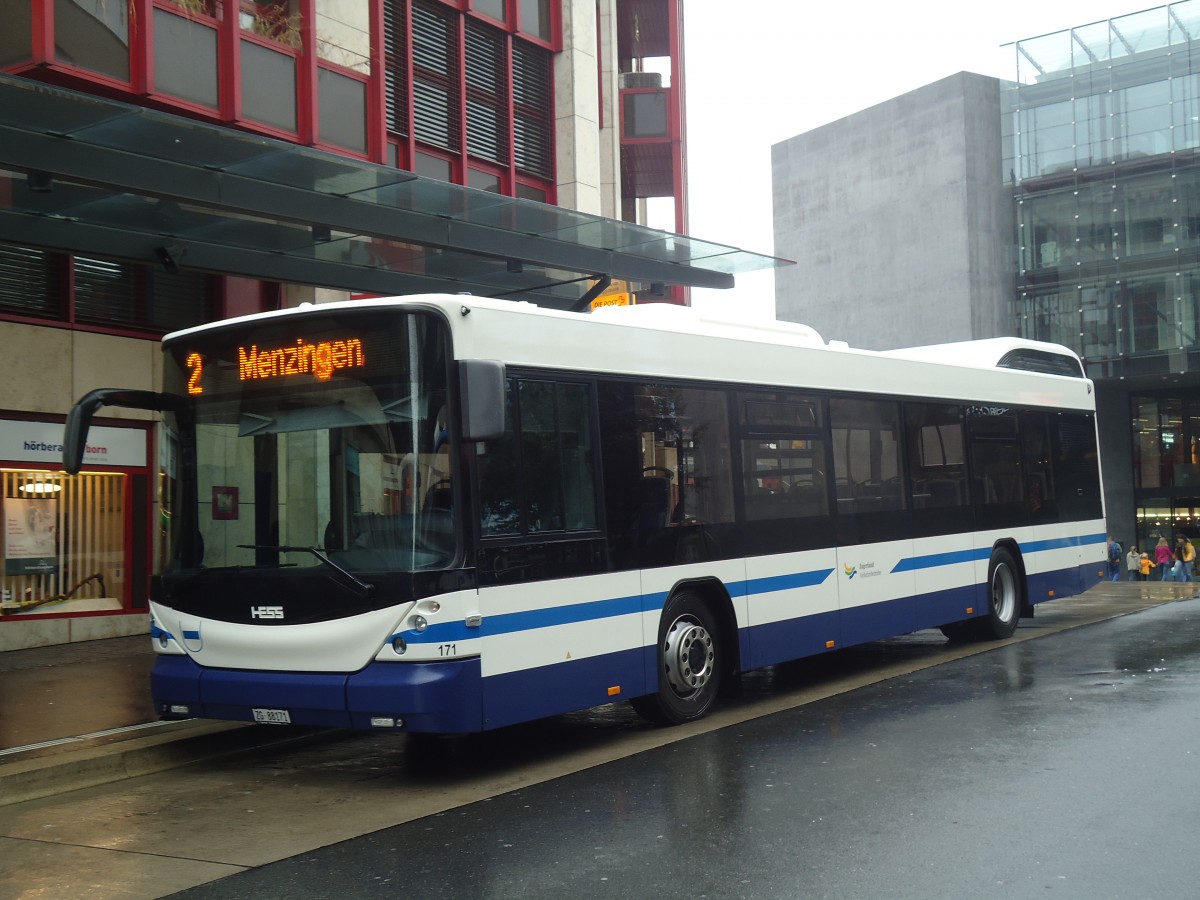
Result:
77,715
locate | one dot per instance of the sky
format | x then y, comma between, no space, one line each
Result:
788,66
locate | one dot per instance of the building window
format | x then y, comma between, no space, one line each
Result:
535,18
532,110
30,282
93,35
185,37
102,292
64,542
487,129
458,102
434,76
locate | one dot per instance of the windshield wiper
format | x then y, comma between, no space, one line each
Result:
368,590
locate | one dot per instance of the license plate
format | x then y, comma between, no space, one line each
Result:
272,716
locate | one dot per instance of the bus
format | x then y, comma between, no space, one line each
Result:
451,514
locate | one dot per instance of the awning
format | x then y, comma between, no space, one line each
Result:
94,176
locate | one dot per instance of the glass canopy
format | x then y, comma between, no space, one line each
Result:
88,174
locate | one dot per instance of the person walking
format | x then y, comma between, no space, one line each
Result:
1133,562
1114,559
1145,564
1163,558
1187,556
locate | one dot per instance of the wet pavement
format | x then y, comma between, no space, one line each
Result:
1062,768
51,693
949,716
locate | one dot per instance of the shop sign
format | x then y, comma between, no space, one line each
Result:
42,442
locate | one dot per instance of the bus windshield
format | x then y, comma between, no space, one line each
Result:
313,441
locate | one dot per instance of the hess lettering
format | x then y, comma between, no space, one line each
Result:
266,612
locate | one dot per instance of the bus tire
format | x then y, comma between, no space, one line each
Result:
690,663
1005,598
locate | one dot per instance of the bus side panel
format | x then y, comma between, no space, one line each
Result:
792,606
555,646
535,693
875,591
1059,560
944,568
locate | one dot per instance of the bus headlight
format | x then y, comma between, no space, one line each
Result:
399,645
418,623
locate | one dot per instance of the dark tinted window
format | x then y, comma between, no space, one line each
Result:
1041,361
936,455
1076,465
866,455
995,456
783,456
548,446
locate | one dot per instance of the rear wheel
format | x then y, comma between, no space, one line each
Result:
690,659
1006,596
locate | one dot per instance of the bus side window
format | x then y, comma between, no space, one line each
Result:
539,477
936,458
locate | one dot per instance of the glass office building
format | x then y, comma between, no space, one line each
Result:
1102,149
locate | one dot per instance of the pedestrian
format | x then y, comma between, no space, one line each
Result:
1185,556
1145,564
1133,562
1163,558
1114,559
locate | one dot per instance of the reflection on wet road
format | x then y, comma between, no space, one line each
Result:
1062,767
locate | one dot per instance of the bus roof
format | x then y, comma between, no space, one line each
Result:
668,341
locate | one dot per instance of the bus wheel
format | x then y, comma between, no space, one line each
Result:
689,663
1005,596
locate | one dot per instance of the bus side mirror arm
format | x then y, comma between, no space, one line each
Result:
481,384
79,420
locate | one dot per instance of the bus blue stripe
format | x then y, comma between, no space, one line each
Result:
1059,543
954,557
934,560
781,582
571,614
508,623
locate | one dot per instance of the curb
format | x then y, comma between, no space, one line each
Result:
186,743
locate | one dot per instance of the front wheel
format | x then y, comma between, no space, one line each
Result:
690,659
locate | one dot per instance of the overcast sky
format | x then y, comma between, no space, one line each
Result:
788,66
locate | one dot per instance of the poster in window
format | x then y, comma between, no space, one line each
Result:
30,536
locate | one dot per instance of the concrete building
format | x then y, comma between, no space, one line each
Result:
898,220
170,162
1063,205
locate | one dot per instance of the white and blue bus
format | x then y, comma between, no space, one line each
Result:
451,514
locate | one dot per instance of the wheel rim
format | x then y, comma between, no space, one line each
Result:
689,656
1004,593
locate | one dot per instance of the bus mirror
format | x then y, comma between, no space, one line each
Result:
79,420
481,383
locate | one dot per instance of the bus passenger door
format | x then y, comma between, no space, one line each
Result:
876,582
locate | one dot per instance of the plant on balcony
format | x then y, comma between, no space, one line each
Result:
192,7
272,20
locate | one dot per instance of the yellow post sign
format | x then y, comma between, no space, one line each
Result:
616,294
